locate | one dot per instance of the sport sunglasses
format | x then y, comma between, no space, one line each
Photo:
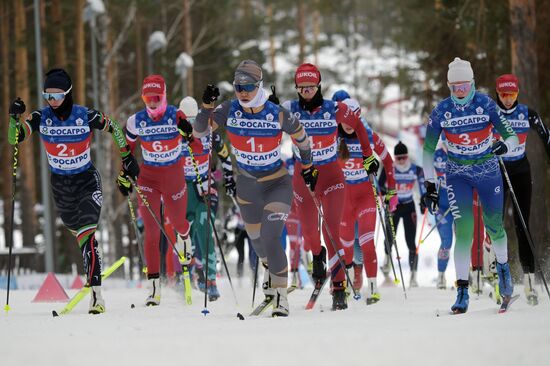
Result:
245,87
55,96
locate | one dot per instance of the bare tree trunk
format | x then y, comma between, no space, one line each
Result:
139,54
271,39
524,65
80,67
6,148
187,42
316,30
26,150
57,20
301,32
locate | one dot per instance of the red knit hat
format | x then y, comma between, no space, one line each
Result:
153,84
507,83
307,73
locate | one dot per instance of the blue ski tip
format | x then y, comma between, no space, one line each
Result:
205,312
357,297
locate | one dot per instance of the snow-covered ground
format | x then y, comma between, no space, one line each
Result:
393,332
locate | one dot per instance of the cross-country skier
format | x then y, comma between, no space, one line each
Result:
254,126
406,175
467,118
359,203
66,132
517,165
196,201
321,118
162,174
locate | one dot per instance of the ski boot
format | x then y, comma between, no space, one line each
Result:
413,283
473,281
441,281
212,290
357,276
280,303
319,272
339,300
154,292
201,280
296,281
97,304
372,291
462,297
530,292
505,284
184,248
269,291
240,266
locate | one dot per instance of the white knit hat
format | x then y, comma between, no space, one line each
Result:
188,105
460,70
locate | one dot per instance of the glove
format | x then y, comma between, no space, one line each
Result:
422,206
185,128
499,148
124,184
431,197
310,177
130,166
17,107
230,186
391,200
211,94
370,164
273,97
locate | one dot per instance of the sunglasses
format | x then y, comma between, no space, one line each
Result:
151,98
302,89
55,96
462,87
245,87
503,95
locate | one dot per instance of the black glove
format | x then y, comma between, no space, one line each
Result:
17,107
422,206
499,148
211,94
186,129
370,164
130,166
123,183
273,97
310,177
230,185
431,197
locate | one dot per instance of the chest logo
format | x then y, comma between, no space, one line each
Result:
48,121
79,122
448,115
521,116
269,117
143,124
479,110
170,121
326,115
238,114
297,115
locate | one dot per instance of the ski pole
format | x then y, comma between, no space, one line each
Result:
392,232
216,237
255,280
13,191
356,295
527,233
436,225
478,244
387,243
422,229
137,234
